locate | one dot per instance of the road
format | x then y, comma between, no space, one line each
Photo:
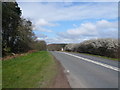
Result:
85,71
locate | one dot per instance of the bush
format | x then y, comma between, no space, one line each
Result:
103,47
71,47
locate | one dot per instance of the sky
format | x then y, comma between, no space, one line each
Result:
72,22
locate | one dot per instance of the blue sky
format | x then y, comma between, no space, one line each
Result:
72,22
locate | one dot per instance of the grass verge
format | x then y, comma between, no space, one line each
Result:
115,59
35,70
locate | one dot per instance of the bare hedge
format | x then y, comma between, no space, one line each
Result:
103,47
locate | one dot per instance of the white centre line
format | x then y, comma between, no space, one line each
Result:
98,63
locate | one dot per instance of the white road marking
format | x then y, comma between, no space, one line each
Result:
98,63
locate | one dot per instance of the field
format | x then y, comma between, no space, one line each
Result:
35,70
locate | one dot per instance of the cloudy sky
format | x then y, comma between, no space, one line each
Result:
72,22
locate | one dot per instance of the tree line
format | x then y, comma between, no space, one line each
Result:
55,47
17,32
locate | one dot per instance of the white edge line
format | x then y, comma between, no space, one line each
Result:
98,63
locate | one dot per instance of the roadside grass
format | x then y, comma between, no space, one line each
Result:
115,59
35,70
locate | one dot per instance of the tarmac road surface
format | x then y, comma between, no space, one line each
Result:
85,71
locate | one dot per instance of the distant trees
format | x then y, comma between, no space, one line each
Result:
55,47
17,34
41,45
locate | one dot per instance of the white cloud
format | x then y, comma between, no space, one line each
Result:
43,22
93,28
100,29
47,14
58,11
43,36
83,29
86,31
41,25
74,25
65,40
42,29
106,24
